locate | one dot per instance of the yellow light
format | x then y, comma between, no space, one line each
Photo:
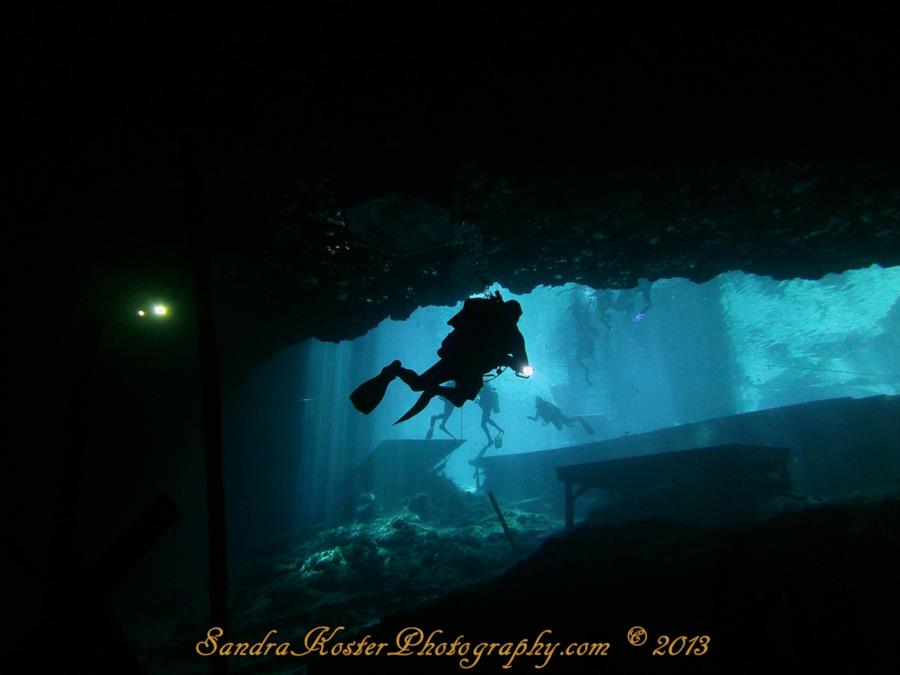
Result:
160,310
141,312
528,371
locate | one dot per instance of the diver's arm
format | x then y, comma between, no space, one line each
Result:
517,358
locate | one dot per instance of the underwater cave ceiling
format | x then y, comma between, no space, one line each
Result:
694,144
599,225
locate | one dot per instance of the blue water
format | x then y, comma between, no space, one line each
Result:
736,344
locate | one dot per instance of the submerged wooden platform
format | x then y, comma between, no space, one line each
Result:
396,468
738,468
838,445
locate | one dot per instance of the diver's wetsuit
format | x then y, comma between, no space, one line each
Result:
484,337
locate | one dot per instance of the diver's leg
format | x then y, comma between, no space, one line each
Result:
453,395
498,441
428,383
449,394
485,449
430,379
485,418
466,389
448,410
411,378
434,418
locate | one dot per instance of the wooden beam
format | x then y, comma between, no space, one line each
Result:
503,524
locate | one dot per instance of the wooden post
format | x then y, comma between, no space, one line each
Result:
503,524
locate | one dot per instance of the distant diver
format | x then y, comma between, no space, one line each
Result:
443,417
550,414
644,290
607,303
484,337
585,333
489,402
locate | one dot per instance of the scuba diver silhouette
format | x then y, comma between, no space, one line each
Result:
443,417
484,337
550,414
489,402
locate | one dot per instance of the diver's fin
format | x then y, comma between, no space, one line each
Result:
368,395
588,429
498,442
418,407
